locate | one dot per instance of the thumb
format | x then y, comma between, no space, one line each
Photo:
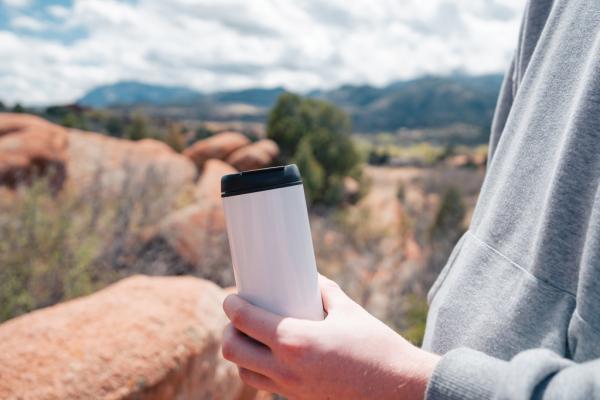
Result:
333,296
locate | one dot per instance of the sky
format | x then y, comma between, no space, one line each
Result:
53,51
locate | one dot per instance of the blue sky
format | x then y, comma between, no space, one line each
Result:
53,51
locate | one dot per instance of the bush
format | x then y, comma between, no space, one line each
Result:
73,120
57,246
176,137
312,172
114,126
448,222
318,134
138,129
415,318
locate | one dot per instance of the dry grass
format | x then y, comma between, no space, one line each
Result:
56,246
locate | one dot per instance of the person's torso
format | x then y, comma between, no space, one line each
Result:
527,272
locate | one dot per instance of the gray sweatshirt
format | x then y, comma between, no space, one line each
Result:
516,310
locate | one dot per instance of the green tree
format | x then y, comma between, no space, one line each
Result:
323,131
138,128
18,108
312,172
2,106
74,120
115,126
286,125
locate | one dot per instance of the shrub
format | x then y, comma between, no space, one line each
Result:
448,222
175,137
312,172
138,128
56,246
317,133
415,318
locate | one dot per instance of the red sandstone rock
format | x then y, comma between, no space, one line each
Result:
142,338
31,147
192,240
208,188
257,155
118,162
219,146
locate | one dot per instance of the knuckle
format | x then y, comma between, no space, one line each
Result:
293,345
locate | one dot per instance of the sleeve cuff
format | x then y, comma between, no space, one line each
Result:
465,374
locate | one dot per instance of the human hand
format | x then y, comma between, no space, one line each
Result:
348,355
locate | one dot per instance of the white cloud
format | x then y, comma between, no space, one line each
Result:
58,11
16,3
225,44
27,23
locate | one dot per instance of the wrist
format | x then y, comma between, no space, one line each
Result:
417,371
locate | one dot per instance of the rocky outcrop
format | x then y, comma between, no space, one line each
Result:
260,154
142,338
219,146
31,147
192,240
95,158
208,188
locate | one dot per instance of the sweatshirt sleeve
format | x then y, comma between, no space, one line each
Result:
532,374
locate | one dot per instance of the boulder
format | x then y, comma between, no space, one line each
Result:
119,163
191,240
141,338
260,154
31,147
208,188
219,146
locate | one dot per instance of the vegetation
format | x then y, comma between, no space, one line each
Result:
426,102
176,137
138,129
312,172
316,135
56,246
448,222
18,108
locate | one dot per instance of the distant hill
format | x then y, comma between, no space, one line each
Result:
254,97
421,103
130,93
426,102
137,93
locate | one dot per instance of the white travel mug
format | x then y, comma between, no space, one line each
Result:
270,241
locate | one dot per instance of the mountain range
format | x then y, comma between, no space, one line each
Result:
426,102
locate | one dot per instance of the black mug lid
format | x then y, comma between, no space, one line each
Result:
260,179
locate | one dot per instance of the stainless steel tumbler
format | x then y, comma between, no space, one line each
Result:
270,241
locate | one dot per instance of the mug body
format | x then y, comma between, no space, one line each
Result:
272,250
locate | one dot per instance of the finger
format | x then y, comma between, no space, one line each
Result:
257,380
333,296
255,322
246,352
